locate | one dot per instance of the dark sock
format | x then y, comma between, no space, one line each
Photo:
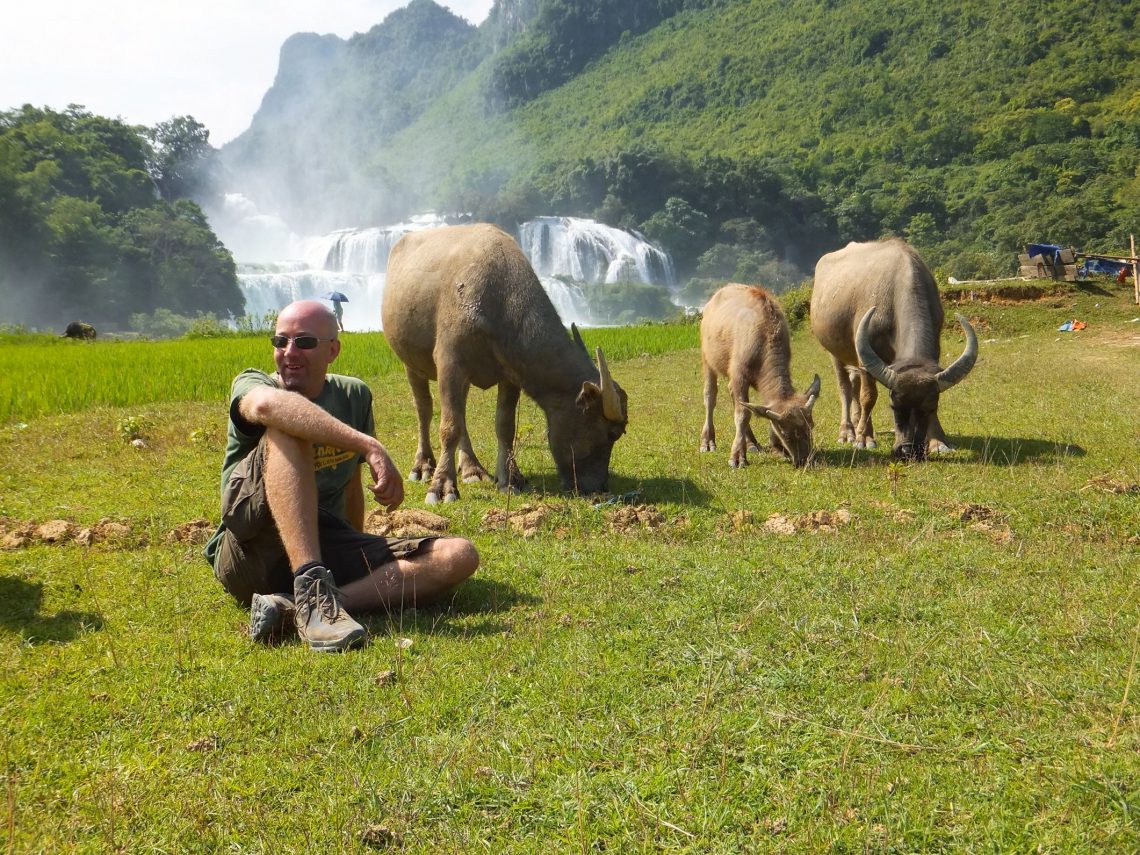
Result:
306,567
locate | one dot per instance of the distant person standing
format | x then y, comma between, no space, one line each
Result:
291,545
338,300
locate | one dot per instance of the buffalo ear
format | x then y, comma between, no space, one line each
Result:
589,397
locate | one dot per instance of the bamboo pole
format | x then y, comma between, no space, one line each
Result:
1135,278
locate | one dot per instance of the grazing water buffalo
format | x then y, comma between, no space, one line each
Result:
876,309
744,337
80,331
462,304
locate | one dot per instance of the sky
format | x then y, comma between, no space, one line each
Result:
145,61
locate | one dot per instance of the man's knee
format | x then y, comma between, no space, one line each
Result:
453,557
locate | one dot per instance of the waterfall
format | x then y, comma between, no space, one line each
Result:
566,253
588,251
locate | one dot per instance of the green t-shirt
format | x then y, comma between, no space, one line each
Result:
346,398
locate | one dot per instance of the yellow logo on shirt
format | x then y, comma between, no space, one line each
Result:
325,456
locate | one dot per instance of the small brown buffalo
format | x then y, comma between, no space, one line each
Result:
744,337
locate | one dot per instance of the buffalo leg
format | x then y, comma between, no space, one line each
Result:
453,388
752,443
937,442
506,468
868,394
424,464
846,399
708,432
470,469
739,454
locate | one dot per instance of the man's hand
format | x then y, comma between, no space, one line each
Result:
387,483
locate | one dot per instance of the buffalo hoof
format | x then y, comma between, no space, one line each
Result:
708,446
937,447
431,499
413,476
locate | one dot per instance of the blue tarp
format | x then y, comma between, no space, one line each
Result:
1046,250
1101,265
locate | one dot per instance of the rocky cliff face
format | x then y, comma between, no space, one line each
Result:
508,19
334,102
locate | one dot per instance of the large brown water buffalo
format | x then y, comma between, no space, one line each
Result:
463,305
744,337
876,309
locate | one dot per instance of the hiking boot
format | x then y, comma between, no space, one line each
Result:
319,617
270,617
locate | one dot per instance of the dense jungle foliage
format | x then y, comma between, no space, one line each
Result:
749,137
94,224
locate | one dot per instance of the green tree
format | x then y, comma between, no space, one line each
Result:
180,157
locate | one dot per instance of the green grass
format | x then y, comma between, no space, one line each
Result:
925,678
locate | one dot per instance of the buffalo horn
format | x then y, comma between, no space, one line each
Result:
812,393
578,339
870,360
611,401
957,372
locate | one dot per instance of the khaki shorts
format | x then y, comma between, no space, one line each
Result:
251,558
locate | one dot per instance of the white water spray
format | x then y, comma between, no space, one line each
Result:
564,251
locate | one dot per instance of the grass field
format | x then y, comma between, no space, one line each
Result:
857,656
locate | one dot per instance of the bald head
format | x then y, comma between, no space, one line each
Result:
311,315
303,369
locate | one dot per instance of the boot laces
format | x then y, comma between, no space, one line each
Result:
328,601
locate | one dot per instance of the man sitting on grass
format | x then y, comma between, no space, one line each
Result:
291,544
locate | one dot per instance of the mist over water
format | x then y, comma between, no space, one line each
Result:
276,267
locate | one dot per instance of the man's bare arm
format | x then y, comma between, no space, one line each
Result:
297,416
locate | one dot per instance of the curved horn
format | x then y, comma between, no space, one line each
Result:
611,401
961,366
868,359
812,393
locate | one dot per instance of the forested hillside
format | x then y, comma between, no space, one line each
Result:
746,136
94,223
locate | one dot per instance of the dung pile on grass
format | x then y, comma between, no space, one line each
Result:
634,517
1108,484
814,521
410,522
191,533
526,519
19,534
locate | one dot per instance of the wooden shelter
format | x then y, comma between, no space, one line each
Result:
1043,261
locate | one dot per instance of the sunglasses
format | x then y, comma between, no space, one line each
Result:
304,342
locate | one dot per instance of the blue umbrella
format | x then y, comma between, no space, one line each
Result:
335,296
